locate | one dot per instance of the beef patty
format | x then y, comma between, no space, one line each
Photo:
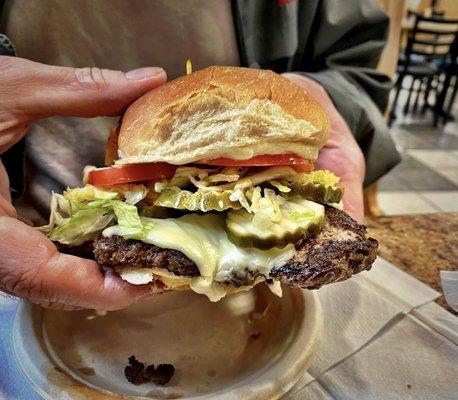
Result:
340,250
118,252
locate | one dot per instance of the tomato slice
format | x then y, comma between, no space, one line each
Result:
300,164
153,172
131,173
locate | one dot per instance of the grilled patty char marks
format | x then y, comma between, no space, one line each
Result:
340,250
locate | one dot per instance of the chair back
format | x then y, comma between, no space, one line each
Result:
432,38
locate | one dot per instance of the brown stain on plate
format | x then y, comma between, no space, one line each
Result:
76,389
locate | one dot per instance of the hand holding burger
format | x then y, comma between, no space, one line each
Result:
30,265
340,154
32,268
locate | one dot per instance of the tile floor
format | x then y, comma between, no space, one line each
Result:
426,180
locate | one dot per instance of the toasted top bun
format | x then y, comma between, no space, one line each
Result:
228,112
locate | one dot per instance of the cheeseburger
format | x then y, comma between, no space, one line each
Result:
211,186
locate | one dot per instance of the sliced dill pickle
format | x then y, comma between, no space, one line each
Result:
180,199
315,192
300,219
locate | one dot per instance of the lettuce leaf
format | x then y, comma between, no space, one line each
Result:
72,222
89,192
128,218
131,193
82,226
267,210
281,188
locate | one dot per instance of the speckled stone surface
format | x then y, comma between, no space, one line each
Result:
420,244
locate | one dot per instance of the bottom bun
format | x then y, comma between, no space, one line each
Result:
141,276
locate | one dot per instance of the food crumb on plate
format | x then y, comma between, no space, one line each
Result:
137,374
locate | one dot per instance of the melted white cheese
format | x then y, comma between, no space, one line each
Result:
203,239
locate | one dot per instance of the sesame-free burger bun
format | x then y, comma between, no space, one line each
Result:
228,112
168,281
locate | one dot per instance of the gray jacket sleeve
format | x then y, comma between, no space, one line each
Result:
342,51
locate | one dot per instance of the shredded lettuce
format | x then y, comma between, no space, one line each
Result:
131,193
72,222
238,182
82,226
239,195
89,192
55,218
128,219
281,188
160,186
267,211
226,175
183,174
255,198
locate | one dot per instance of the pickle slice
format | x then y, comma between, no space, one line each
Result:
180,199
300,219
315,192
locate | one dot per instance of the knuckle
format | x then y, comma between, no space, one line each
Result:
53,305
24,284
92,77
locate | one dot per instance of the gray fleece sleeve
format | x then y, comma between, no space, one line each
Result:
346,45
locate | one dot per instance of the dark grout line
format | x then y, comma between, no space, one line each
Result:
430,202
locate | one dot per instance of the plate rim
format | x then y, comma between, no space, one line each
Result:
295,360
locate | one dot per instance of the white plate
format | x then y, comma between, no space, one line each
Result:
249,345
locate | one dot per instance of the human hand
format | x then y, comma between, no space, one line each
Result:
341,154
30,265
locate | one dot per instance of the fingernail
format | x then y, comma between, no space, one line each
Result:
143,73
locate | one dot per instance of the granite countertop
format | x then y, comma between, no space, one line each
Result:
420,244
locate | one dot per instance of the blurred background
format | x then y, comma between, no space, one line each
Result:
421,58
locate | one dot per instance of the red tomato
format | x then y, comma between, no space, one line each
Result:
131,173
300,164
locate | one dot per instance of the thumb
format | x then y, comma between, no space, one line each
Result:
34,90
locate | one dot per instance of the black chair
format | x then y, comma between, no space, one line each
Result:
427,50
444,102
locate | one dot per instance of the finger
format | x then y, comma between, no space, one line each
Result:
341,154
315,90
60,306
353,201
42,90
6,208
32,268
4,183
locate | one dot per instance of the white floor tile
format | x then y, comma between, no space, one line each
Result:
451,128
392,203
445,201
450,173
436,159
